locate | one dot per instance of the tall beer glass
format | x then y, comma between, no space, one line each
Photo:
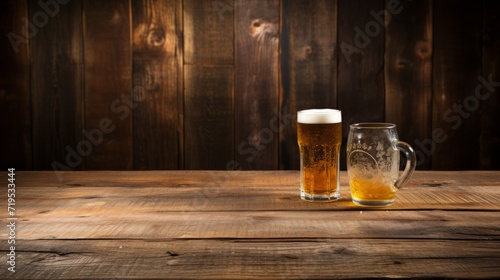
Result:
319,135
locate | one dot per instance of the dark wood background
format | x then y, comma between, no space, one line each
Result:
216,84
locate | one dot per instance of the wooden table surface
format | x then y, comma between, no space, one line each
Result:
247,224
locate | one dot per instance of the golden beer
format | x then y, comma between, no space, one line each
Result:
374,189
319,135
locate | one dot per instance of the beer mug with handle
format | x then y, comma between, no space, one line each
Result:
373,163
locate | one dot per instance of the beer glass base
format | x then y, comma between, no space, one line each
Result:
373,203
318,198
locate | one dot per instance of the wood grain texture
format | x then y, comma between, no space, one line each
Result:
457,65
208,32
208,120
15,99
108,82
179,49
320,53
125,224
147,191
208,84
157,101
256,84
102,223
361,96
57,86
408,73
258,259
361,62
309,67
490,134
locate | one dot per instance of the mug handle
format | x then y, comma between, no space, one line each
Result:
411,163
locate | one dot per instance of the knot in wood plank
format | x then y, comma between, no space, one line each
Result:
156,38
309,51
150,40
262,30
423,49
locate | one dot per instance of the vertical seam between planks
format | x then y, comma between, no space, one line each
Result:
30,86
384,110
278,86
233,89
433,60
179,34
284,74
83,98
183,89
482,73
336,53
131,56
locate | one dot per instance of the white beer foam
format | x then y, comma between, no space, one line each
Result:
319,116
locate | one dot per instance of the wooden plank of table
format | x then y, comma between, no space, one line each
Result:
490,134
15,99
92,219
212,191
457,65
309,67
408,73
256,258
257,123
209,118
108,68
223,190
157,99
126,224
56,55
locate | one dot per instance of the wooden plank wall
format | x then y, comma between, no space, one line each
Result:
256,95
107,65
216,84
157,102
309,72
208,84
408,72
490,132
57,85
15,99
361,64
457,53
